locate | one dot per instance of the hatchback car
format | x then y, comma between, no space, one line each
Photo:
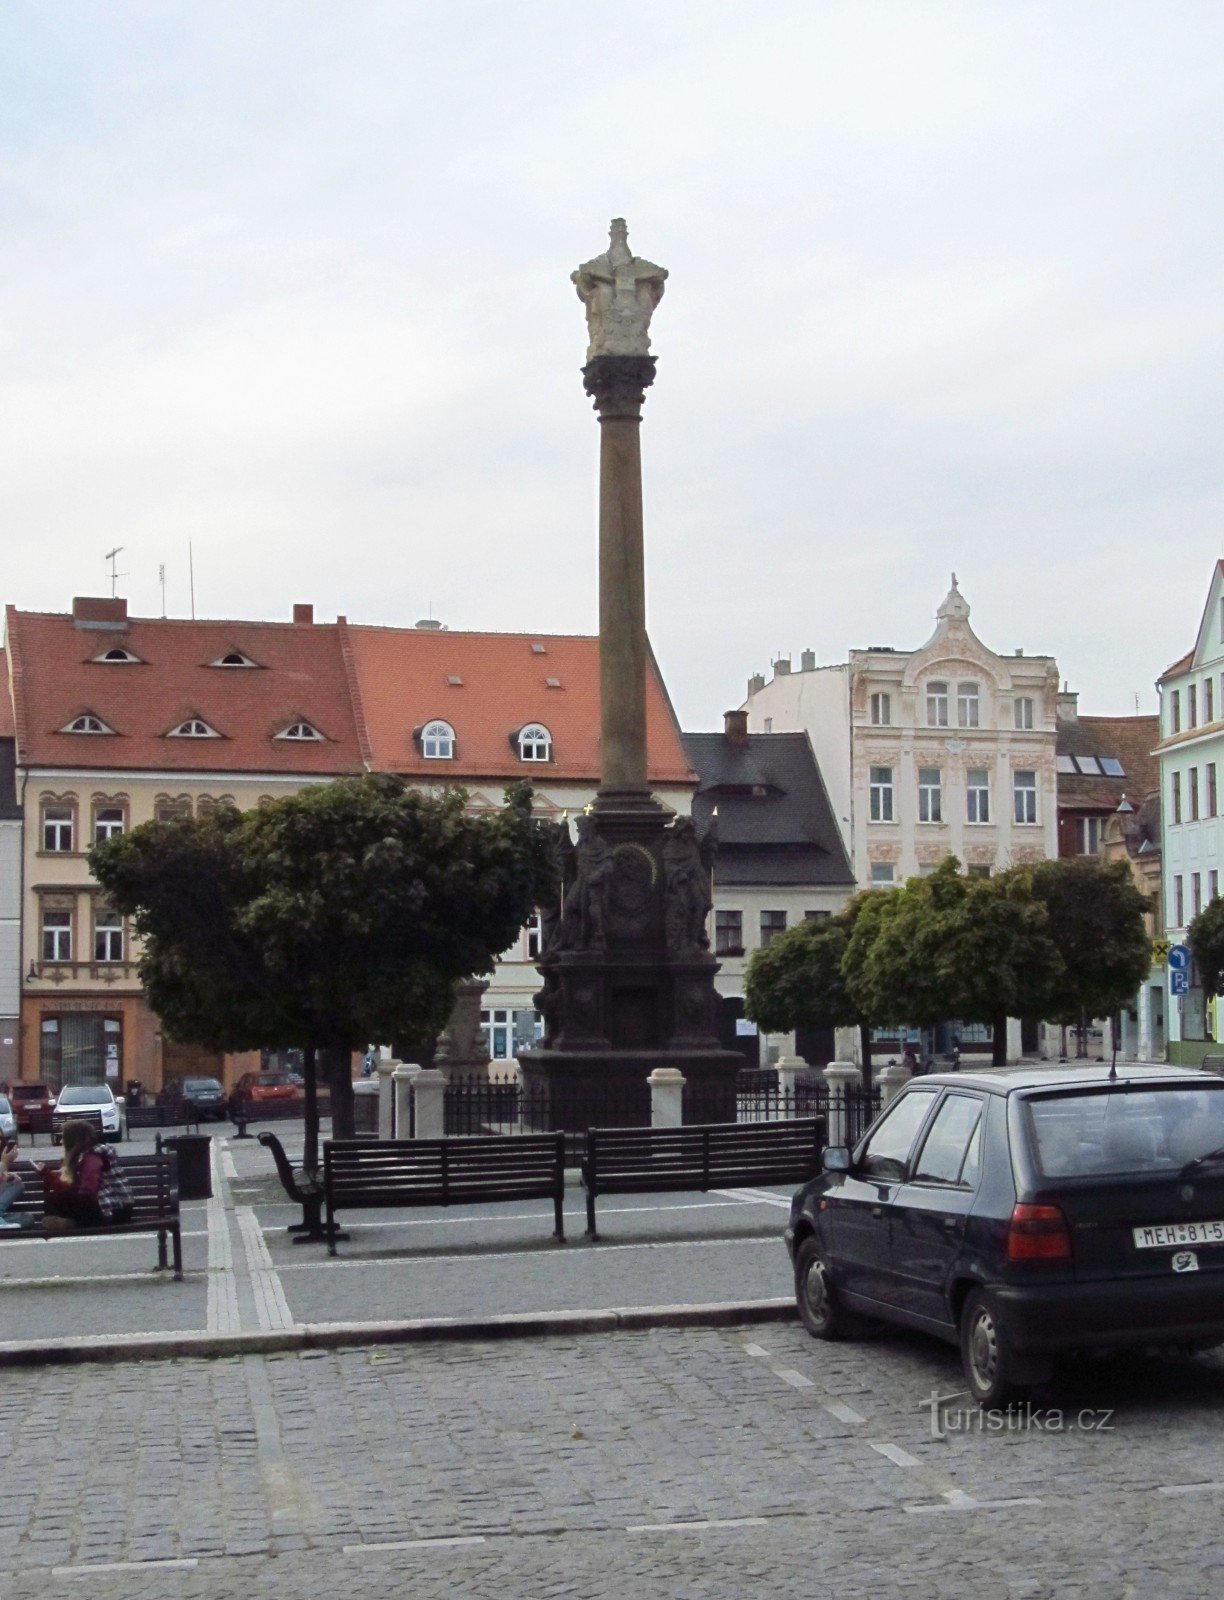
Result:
263,1091
87,1102
29,1099
1024,1213
205,1097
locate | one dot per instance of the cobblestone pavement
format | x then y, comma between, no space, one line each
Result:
700,1463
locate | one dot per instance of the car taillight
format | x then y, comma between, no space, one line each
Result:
1038,1233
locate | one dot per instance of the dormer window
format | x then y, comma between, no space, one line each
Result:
233,658
534,743
301,733
119,657
438,741
193,728
86,723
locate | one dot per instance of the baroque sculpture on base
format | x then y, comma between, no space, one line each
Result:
628,975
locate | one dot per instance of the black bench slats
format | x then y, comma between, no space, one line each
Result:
153,1180
442,1172
700,1157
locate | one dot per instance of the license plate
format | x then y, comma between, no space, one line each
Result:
1170,1235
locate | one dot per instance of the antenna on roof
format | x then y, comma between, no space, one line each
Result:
113,557
161,578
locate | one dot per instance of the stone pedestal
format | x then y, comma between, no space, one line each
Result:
840,1077
403,1077
892,1079
666,1097
429,1098
385,1067
463,1050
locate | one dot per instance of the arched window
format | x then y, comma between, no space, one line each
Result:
438,741
300,733
234,658
86,723
535,743
118,656
193,728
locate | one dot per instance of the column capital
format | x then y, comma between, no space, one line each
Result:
618,384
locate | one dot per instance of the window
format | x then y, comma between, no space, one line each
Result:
86,723
888,1150
109,823
1208,699
301,733
1175,711
535,743
728,933
57,936
930,795
945,1150
119,657
1179,902
193,728
57,828
1022,711
978,794
1192,794
937,705
534,934
1175,781
233,658
817,916
1211,808
1066,764
171,809
108,936
1213,885
882,874
1089,830
1089,765
438,741
772,923
1024,794
881,798
977,869
1196,893
1112,767
881,710
1192,705
967,705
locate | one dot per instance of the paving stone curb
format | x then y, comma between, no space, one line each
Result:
421,1330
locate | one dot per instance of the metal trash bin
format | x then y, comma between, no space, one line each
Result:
194,1152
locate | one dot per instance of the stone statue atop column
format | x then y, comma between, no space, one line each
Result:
620,291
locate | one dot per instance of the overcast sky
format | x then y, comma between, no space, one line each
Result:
290,281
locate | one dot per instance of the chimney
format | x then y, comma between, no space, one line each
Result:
303,615
1068,705
755,684
735,726
807,661
99,613
781,666
428,625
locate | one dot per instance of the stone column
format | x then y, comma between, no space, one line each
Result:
840,1076
618,384
403,1077
666,1097
892,1079
386,1096
429,1095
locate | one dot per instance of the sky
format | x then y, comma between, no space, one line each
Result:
286,283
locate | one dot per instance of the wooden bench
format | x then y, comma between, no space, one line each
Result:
154,1183
360,1173
719,1155
155,1116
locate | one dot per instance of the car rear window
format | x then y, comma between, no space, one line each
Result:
278,1080
29,1091
195,1085
1125,1130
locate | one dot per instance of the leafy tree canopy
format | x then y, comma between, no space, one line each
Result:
795,981
1205,936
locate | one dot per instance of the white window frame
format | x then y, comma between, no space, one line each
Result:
930,794
1088,835
535,742
109,822
881,709
880,795
968,705
883,875
193,728
977,795
1179,901
937,703
438,741
88,723
1022,712
109,940
58,826
1024,797
728,931
56,934
775,928
301,732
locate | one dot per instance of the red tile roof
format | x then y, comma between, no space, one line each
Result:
403,676
300,677
1182,664
1129,740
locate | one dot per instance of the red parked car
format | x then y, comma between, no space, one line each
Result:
30,1097
261,1093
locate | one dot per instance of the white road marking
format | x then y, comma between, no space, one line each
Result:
841,1412
795,1379
690,1527
958,1500
894,1453
182,1563
1192,1488
536,1257
575,1213
757,1197
413,1544
80,1280
756,1350
271,1307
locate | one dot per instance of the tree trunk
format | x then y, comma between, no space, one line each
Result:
338,1065
310,1146
998,1055
865,1052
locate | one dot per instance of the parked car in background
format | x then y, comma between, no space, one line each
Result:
205,1098
87,1102
26,1098
1024,1213
264,1092
8,1122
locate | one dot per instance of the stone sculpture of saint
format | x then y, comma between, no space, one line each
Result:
687,888
620,291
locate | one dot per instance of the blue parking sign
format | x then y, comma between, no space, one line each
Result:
1179,982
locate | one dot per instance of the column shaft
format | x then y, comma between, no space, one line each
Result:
622,606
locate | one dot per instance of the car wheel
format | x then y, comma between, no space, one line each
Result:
819,1308
986,1354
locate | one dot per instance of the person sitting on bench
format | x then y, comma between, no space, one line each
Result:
11,1186
73,1188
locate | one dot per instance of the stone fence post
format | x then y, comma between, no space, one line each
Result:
386,1097
840,1077
429,1098
892,1079
402,1078
666,1097
789,1070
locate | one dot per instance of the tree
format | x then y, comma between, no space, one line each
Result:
344,913
797,980
1205,936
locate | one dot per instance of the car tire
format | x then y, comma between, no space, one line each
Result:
986,1354
820,1310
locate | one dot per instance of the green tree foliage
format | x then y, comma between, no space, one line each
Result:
341,914
1205,936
